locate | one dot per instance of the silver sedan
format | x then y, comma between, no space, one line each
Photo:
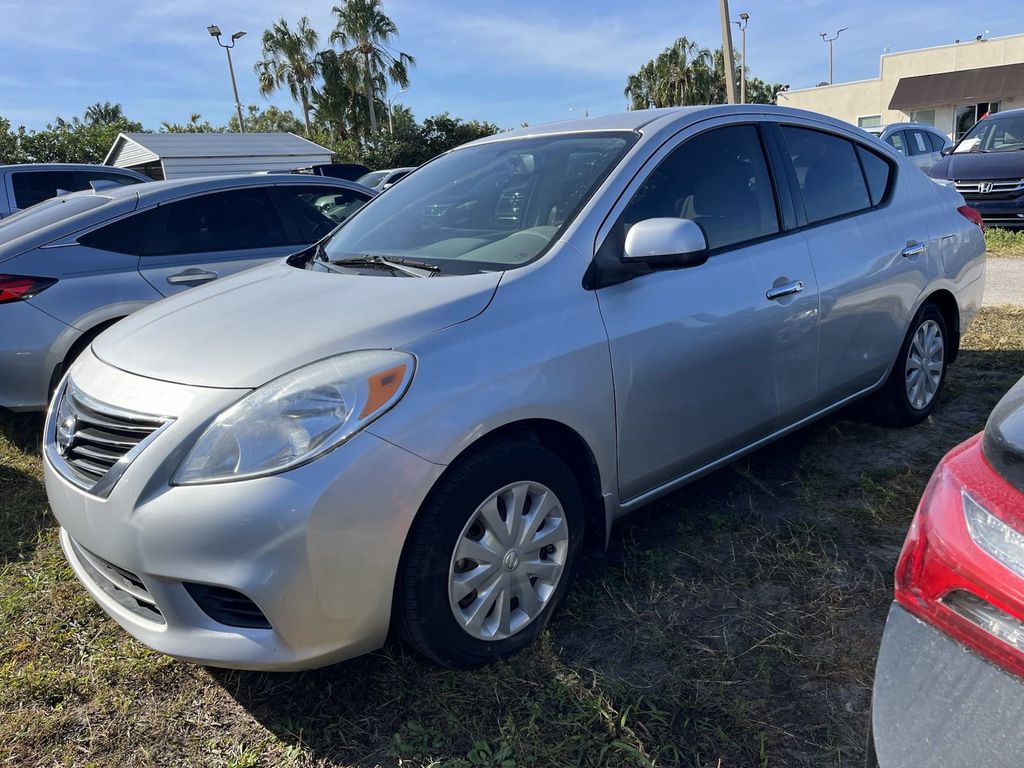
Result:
425,421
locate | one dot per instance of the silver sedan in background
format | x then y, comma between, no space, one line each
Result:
72,266
423,422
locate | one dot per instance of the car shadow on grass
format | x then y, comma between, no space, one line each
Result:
24,513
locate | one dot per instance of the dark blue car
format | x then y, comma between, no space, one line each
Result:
987,167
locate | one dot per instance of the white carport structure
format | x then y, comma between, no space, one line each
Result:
179,155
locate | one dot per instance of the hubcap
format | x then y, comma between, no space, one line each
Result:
508,561
925,360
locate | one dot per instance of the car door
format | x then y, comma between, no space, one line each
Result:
921,153
707,360
202,237
866,244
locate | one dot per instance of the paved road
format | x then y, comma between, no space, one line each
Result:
1004,282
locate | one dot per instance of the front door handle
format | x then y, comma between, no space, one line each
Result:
192,277
914,249
786,289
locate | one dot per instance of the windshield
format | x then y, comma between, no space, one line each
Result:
994,134
489,207
371,179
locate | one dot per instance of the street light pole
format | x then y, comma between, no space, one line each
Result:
728,65
831,40
742,24
214,31
391,111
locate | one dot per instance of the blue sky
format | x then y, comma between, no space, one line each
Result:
531,61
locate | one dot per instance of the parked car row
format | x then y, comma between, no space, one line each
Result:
419,418
72,266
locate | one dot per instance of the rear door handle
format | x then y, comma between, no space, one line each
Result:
192,277
786,289
914,249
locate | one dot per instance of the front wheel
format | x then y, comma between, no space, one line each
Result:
912,389
490,556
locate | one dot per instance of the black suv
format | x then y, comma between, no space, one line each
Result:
987,167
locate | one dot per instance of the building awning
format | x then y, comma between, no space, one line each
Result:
984,84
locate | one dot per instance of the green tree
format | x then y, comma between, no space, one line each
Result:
289,59
365,33
103,113
62,141
269,120
685,74
340,106
195,124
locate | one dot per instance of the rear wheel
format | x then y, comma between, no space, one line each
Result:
490,556
912,389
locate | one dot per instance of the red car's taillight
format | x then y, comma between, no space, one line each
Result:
972,215
16,288
962,566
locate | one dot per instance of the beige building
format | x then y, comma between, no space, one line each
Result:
949,86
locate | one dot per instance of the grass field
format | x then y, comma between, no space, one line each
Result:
734,623
1005,243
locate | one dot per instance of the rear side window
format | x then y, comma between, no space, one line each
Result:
319,209
31,187
718,179
919,143
877,172
937,142
220,221
829,173
125,235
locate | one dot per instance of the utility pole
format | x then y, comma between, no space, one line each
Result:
831,40
214,31
742,24
729,64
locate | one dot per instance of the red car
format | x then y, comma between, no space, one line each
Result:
949,685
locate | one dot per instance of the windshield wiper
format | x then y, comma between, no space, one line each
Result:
405,266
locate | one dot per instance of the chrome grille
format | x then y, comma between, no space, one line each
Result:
989,190
92,443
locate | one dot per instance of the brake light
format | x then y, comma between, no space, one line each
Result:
15,288
962,565
972,216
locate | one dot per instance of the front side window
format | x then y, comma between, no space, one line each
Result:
31,187
828,172
492,206
318,209
895,139
719,179
1004,133
220,221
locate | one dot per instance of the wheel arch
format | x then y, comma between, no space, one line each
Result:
946,303
84,339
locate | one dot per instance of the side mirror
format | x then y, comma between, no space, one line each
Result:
667,242
945,150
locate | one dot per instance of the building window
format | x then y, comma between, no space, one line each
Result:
925,116
869,121
968,114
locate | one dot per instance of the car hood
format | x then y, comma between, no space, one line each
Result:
1003,443
243,331
970,166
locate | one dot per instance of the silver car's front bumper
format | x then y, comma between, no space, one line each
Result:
936,703
316,548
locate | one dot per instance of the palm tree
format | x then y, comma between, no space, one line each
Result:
104,114
681,74
365,32
289,58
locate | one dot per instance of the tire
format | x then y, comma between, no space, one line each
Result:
434,584
893,405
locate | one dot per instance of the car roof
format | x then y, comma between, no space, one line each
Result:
159,191
652,121
67,167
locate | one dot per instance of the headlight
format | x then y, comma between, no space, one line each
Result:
297,417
